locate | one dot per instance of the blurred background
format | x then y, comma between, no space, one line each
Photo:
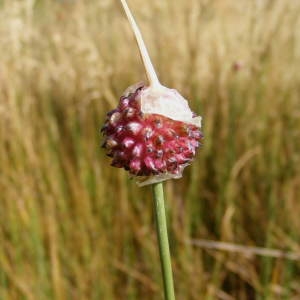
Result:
72,227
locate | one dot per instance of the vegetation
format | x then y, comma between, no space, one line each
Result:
71,226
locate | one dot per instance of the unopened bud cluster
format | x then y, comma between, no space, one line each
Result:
148,144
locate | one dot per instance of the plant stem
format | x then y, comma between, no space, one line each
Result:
162,236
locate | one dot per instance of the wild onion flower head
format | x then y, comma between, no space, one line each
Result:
152,133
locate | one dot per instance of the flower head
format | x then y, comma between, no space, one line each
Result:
150,144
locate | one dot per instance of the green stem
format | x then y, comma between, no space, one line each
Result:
162,236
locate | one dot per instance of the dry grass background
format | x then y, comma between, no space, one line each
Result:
71,227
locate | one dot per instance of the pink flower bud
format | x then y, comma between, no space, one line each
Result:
151,144
152,133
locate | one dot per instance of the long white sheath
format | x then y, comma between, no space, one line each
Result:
151,74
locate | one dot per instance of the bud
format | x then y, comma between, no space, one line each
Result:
152,133
158,140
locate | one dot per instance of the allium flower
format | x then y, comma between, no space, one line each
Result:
152,133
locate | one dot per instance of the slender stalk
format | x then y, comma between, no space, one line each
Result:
162,236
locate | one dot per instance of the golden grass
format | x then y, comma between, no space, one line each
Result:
71,227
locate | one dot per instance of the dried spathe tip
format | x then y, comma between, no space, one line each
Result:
151,74
158,99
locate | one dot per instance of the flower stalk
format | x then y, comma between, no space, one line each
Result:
163,242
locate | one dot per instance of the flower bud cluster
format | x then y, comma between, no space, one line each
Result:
148,144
